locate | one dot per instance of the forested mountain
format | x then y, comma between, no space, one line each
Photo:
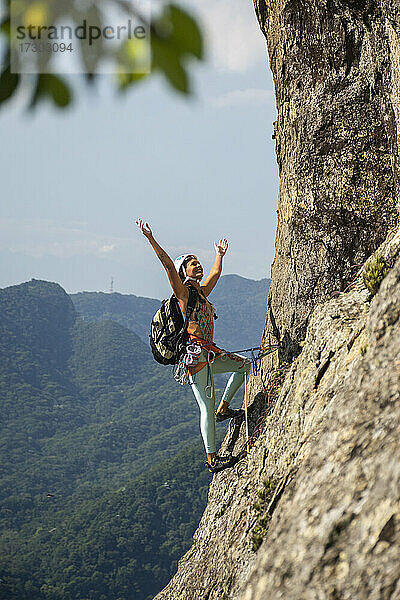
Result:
101,488
106,543
129,310
237,300
241,305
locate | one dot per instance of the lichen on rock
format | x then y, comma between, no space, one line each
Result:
374,273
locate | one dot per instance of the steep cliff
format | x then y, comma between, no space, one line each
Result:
320,487
336,67
313,512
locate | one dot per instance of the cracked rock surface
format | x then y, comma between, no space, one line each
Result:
336,68
336,532
313,511
331,448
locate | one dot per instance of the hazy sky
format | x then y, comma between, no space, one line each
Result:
73,181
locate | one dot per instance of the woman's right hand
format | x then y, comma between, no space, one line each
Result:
144,228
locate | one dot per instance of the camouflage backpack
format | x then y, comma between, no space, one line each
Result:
168,335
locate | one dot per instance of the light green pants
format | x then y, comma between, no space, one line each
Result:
202,384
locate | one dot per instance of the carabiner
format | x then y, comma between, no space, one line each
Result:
209,387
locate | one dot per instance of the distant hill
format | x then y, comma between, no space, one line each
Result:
240,304
102,477
129,310
85,411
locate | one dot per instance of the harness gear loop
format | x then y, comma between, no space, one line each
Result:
210,379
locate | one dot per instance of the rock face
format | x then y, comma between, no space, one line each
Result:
336,67
313,511
336,532
321,483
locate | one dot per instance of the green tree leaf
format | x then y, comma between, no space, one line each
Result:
54,87
175,38
177,77
187,35
166,60
125,80
5,26
8,84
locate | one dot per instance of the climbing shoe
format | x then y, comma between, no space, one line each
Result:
230,413
219,463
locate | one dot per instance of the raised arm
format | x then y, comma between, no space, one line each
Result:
180,290
216,269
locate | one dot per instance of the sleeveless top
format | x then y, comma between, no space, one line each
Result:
201,322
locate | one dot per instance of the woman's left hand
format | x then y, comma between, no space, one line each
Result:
221,247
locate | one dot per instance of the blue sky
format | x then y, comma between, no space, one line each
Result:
197,170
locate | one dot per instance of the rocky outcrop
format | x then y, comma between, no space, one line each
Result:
336,532
320,486
313,510
336,67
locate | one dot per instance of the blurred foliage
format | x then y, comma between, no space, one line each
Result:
176,39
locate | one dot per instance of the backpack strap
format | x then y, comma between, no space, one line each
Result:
191,305
182,336
192,301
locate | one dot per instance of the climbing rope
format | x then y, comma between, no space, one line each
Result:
245,408
350,282
263,350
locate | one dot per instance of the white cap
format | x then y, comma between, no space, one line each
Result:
178,262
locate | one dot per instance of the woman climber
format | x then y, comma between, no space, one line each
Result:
203,358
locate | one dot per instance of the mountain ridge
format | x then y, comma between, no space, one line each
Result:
236,298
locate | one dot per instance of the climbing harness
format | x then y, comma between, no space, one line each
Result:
190,358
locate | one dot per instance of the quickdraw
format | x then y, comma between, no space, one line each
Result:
263,350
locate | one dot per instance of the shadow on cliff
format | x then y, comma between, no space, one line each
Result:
289,346
237,427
